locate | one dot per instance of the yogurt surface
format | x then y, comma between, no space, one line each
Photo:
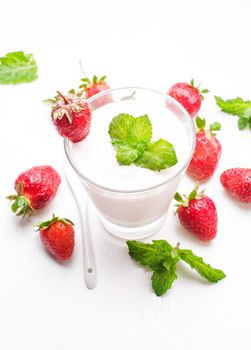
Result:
95,156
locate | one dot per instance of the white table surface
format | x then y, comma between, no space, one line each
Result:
44,304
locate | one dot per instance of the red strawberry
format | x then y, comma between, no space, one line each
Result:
198,214
188,95
35,187
95,86
57,236
237,182
207,152
71,115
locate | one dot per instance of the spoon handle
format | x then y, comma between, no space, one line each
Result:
90,273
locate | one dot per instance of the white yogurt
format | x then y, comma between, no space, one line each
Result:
135,214
95,156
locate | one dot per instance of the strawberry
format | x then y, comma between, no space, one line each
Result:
71,115
197,214
95,86
35,187
237,182
188,95
207,151
57,236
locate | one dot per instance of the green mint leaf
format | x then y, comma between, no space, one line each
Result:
215,126
158,156
140,131
197,263
152,254
163,280
249,122
119,128
200,123
126,155
17,67
236,106
242,123
247,113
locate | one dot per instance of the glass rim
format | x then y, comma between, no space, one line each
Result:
148,188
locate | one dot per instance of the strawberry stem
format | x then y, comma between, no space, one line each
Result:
66,101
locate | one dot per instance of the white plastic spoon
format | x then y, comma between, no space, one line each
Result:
90,274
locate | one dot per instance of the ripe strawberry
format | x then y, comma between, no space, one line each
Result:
71,115
198,214
207,151
35,187
237,182
95,86
57,236
188,95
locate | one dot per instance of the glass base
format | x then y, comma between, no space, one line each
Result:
133,232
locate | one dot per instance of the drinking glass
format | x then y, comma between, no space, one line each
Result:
137,213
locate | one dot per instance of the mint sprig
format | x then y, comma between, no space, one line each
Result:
132,139
238,107
17,67
161,258
157,156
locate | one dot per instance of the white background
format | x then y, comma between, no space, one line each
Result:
44,304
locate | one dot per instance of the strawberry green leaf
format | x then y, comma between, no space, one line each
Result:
21,205
200,123
178,198
46,224
197,263
158,156
17,67
215,126
194,192
205,91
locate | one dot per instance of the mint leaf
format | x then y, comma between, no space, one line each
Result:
126,155
162,259
158,156
152,254
17,67
140,131
242,123
119,128
197,263
163,280
131,138
236,106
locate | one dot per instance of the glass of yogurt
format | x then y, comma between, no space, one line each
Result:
132,202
